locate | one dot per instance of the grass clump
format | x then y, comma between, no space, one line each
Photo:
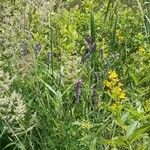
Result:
74,75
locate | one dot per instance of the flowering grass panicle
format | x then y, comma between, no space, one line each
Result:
12,108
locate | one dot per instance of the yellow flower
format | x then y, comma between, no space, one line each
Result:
122,95
112,74
118,93
108,83
120,84
86,124
141,49
114,106
114,85
115,81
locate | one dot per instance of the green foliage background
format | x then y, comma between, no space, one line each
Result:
42,59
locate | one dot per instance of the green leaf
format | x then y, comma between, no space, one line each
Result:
139,133
133,76
131,128
48,86
120,140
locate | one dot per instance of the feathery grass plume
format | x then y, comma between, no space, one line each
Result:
25,65
12,108
70,68
5,82
78,90
37,49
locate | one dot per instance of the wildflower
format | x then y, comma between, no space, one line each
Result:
114,106
37,48
114,86
91,49
86,124
24,48
12,108
122,95
141,50
86,56
118,93
89,40
78,90
108,83
112,75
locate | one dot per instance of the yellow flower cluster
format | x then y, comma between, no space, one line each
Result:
115,86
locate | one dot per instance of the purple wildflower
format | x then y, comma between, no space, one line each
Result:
37,48
24,48
90,50
78,89
89,40
92,47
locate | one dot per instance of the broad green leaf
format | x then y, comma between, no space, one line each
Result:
133,76
139,133
131,128
48,86
120,140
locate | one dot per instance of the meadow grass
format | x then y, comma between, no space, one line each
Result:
74,75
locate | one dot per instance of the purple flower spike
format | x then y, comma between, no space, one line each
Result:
37,48
24,48
89,40
78,90
92,48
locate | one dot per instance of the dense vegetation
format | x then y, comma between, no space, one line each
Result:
75,75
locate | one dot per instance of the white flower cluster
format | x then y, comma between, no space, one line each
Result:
5,81
12,108
70,69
